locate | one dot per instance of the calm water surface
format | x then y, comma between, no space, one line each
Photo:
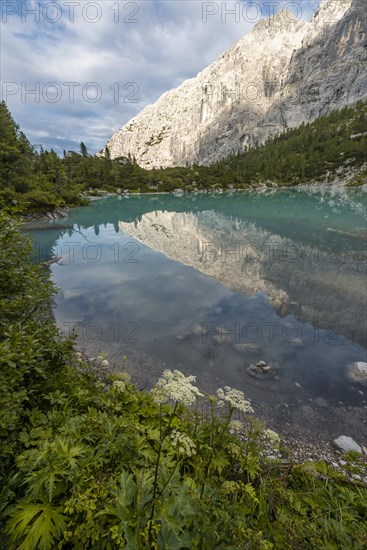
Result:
210,284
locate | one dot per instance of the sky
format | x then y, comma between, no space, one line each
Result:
78,70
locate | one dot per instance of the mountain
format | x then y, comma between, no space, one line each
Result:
285,72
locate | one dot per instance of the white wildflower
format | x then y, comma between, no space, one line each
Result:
182,442
235,399
177,387
273,437
235,427
124,376
119,386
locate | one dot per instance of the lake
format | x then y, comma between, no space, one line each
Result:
211,284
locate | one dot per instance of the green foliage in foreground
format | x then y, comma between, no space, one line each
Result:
37,181
89,462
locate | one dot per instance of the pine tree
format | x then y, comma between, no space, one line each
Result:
15,149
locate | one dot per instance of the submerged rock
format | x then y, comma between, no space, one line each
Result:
344,443
197,330
261,370
242,348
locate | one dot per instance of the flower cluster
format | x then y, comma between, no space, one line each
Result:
273,437
235,450
235,399
229,487
177,387
184,445
235,427
119,386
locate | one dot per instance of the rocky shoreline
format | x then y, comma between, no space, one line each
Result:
30,220
298,444
298,451
343,178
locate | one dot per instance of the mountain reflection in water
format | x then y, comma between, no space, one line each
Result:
287,285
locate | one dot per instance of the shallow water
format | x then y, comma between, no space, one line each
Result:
210,284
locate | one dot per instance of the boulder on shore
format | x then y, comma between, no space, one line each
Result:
344,443
357,372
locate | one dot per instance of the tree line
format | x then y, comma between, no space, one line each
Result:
33,179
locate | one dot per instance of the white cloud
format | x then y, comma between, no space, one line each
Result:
170,41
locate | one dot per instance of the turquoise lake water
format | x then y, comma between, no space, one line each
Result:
211,283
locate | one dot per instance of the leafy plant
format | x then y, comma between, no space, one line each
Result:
90,462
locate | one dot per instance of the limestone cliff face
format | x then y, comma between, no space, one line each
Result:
283,73
328,72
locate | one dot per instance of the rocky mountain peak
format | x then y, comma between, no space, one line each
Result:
282,21
282,74
328,13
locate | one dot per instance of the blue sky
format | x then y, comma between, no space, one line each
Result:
93,65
